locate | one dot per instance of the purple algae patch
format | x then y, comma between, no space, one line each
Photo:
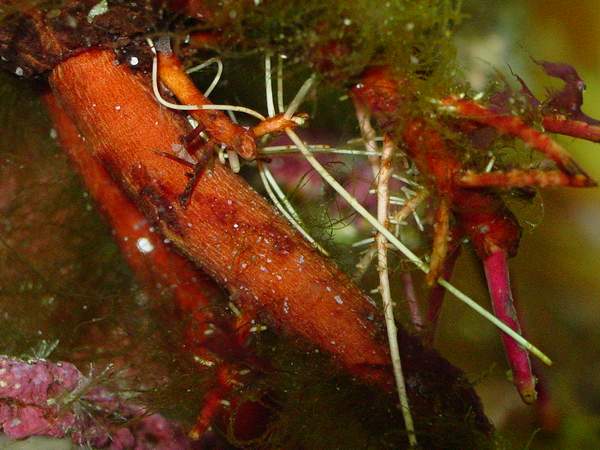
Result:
42,398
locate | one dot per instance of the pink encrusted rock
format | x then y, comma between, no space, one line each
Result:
157,433
27,421
123,439
36,382
40,398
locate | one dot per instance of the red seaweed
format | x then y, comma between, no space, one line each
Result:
498,279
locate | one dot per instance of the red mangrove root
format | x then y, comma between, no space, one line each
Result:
227,228
230,231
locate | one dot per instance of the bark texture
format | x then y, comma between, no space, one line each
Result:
227,229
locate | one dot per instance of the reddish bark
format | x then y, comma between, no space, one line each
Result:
227,228
216,123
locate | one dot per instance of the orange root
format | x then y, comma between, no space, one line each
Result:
227,228
216,123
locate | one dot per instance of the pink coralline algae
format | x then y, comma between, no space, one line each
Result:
42,398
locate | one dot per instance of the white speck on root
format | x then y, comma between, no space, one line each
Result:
144,245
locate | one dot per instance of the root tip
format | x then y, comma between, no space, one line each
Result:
528,393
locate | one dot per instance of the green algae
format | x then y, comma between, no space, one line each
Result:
63,281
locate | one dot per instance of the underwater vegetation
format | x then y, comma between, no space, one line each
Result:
242,315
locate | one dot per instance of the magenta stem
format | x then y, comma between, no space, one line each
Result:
498,280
